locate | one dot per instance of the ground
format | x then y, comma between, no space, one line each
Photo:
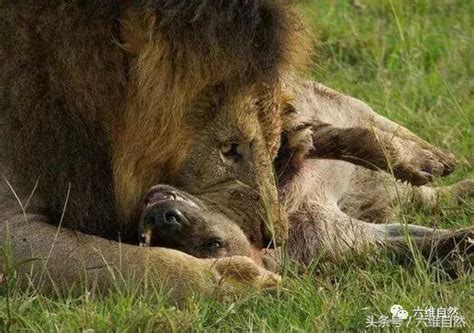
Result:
411,61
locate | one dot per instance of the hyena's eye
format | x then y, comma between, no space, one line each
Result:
212,245
231,151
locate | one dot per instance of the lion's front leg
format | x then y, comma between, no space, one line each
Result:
62,259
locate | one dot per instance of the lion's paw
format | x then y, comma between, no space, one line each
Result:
238,272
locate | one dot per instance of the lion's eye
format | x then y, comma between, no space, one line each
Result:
230,150
288,109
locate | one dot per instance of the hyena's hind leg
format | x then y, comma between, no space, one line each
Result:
377,197
452,249
328,232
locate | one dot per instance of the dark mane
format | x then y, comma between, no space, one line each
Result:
260,33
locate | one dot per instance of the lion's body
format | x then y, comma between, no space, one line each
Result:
100,101
62,81
93,95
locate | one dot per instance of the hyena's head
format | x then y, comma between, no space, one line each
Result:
204,111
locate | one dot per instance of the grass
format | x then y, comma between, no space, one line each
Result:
411,61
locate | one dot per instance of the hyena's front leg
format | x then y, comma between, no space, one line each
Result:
409,153
378,150
321,123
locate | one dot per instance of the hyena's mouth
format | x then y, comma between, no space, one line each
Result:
160,194
166,211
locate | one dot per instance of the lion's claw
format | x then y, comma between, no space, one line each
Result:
240,273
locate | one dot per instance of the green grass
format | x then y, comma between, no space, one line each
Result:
411,61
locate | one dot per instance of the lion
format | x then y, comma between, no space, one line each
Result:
99,102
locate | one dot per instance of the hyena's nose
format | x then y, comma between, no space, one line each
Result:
165,219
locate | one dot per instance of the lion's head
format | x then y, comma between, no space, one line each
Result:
204,107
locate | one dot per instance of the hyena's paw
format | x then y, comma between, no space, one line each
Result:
455,250
461,190
237,274
415,163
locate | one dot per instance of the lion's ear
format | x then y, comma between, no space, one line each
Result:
136,29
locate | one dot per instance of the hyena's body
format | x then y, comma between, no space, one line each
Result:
344,192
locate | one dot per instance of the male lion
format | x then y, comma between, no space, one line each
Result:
101,100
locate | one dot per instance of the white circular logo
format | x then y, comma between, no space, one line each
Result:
398,311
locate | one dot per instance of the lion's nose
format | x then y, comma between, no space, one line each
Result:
169,219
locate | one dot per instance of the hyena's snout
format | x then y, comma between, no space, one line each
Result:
165,214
